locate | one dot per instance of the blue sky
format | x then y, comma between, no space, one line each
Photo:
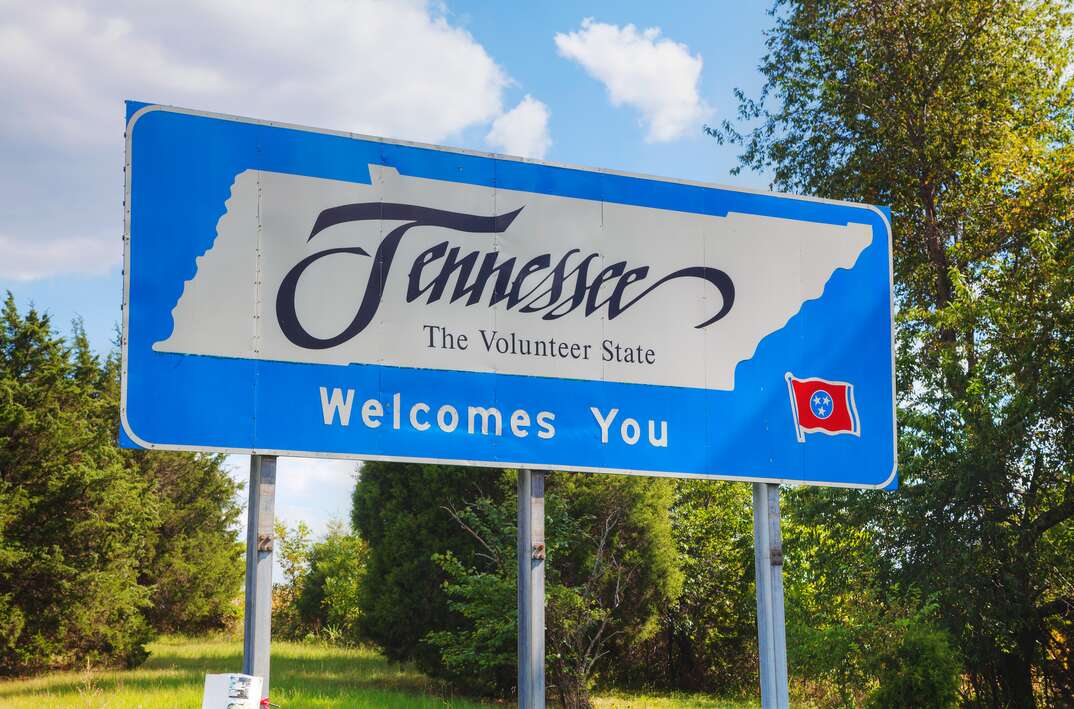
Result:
625,85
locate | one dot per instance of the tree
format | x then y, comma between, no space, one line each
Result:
98,546
195,567
293,550
611,570
843,608
957,113
709,631
618,572
400,512
73,520
195,570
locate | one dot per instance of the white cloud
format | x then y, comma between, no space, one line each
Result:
397,68
522,131
26,260
655,75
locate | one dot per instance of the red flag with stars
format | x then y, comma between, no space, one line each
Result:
822,406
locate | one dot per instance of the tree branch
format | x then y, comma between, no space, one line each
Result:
1057,515
495,556
1060,606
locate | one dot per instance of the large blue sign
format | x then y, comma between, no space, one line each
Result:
293,291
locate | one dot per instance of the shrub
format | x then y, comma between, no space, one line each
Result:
920,671
292,548
327,601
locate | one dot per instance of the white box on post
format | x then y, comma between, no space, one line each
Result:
231,691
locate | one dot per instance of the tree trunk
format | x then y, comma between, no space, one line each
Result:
1017,679
573,694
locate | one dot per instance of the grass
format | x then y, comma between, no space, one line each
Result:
668,701
303,675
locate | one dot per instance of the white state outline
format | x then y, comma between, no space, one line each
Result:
855,421
124,339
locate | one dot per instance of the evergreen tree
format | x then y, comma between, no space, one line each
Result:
708,632
611,572
98,545
400,510
196,567
74,522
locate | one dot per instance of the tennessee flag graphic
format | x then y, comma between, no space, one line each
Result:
822,406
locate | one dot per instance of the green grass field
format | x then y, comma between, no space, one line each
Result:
302,676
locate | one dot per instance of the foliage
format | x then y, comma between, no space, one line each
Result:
841,607
195,568
921,672
327,600
96,544
480,654
291,549
610,571
707,639
73,516
195,571
400,512
957,113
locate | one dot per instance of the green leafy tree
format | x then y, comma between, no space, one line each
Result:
292,549
708,635
480,653
328,598
841,607
958,114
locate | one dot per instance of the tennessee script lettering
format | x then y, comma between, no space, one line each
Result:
536,286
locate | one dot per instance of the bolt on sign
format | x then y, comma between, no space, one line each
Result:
291,291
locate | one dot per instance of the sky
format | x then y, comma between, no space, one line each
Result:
626,85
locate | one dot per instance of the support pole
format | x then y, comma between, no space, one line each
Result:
257,616
768,562
531,554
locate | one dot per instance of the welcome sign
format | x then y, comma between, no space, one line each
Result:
293,291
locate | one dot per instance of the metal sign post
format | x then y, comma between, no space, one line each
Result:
257,616
768,562
531,553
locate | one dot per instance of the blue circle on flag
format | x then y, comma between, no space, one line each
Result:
821,404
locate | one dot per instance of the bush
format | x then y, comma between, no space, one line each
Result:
708,638
292,549
327,600
921,672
